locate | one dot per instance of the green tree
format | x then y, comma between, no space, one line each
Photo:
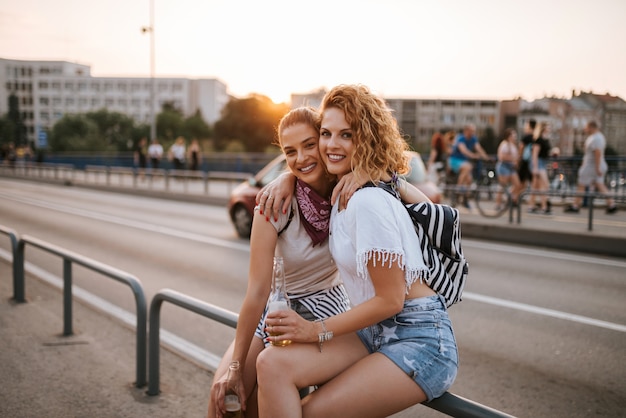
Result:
14,128
195,127
251,120
169,123
76,133
114,129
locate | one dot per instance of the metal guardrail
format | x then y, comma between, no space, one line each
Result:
18,264
448,403
70,257
186,302
125,177
591,196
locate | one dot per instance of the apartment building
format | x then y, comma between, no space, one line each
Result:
419,119
46,90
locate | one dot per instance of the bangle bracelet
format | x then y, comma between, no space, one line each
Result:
323,336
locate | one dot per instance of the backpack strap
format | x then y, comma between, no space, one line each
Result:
288,220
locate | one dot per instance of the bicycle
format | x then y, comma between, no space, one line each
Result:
483,192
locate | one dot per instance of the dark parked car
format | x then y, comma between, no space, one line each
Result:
242,198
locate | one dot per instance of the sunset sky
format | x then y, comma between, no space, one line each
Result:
400,48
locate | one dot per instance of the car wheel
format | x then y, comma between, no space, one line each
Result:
242,221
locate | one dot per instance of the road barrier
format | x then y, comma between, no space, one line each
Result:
70,257
448,403
589,196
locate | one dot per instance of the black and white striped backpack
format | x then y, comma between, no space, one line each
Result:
439,231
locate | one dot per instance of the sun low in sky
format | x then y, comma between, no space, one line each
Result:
400,48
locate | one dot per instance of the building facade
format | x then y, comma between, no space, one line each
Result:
419,119
46,90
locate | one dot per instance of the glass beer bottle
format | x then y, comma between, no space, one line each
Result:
279,301
232,404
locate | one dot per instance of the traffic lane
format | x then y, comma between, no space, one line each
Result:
537,363
194,217
593,287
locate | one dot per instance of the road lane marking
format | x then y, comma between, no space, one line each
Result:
132,223
555,254
543,311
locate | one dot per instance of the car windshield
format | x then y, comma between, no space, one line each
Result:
272,173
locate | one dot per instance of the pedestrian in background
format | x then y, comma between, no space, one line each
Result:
465,151
593,168
140,156
539,164
194,155
155,152
525,155
506,166
177,152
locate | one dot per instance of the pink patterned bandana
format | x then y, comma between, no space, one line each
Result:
314,212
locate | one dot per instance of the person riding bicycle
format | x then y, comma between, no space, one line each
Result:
465,149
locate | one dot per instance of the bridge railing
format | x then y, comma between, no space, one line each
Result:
69,258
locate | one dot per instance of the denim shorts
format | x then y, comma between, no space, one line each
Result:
455,163
505,168
420,341
541,164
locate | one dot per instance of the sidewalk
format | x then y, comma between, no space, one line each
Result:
90,374
560,230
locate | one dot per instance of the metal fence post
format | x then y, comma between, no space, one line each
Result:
67,297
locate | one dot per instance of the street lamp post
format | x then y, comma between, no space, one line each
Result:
144,29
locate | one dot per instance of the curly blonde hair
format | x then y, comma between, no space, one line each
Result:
379,149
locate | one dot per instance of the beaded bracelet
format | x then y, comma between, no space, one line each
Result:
323,336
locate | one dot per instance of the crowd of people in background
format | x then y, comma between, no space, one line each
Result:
178,154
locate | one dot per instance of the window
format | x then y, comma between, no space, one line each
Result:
44,101
69,86
43,85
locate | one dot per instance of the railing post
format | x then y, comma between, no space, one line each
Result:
153,345
67,297
590,218
19,294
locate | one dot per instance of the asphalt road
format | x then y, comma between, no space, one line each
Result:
540,332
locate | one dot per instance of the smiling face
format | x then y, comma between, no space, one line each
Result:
300,146
336,142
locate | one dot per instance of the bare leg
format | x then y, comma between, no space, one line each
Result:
357,393
601,187
283,370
